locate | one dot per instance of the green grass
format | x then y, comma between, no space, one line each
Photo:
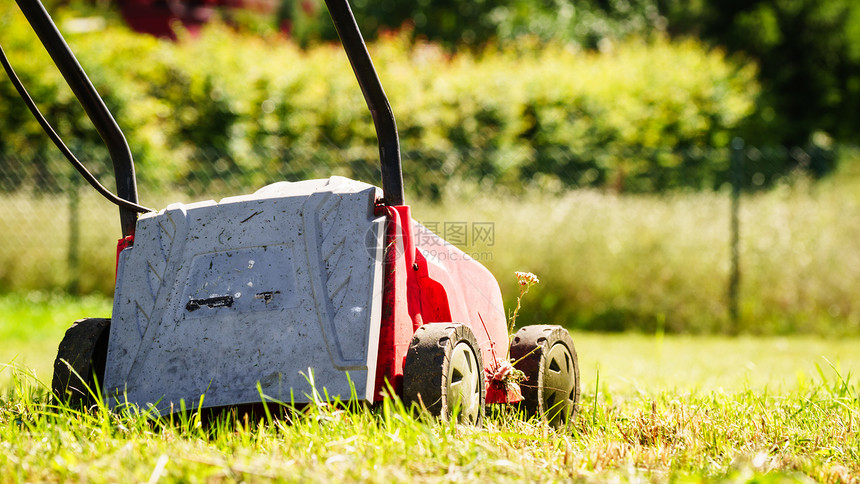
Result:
32,325
657,408
739,437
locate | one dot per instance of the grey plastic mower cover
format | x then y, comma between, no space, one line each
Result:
216,297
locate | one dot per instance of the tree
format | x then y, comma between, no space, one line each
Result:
808,52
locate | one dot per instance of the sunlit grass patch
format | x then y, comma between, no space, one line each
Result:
32,325
655,408
738,435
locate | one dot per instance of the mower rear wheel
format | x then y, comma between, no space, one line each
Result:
80,363
545,353
444,374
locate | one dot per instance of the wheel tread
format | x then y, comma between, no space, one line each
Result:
529,350
428,360
84,350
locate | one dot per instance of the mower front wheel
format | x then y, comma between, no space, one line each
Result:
443,373
80,363
546,355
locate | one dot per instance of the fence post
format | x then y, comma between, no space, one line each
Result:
737,169
73,257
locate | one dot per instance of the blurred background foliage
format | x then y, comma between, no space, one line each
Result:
808,51
506,105
588,93
644,115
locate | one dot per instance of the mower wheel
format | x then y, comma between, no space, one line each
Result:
444,374
80,363
546,355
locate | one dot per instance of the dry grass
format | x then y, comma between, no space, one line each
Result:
653,263
660,263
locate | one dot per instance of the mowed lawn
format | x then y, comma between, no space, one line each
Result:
32,325
654,408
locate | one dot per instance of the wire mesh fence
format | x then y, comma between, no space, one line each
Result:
58,234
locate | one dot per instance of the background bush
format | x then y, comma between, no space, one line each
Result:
224,104
462,24
807,49
808,55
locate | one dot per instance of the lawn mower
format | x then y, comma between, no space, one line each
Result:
302,290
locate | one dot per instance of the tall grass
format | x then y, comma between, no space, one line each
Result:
35,238
609,262
660,263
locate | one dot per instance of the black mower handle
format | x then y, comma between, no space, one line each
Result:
105,124
374,96
94,106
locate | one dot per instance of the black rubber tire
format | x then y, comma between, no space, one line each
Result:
84,350
545,353
444,373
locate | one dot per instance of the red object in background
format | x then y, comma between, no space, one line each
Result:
158,17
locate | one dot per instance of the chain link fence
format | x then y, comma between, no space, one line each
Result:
58,234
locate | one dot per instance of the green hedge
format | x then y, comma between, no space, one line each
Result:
225,105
